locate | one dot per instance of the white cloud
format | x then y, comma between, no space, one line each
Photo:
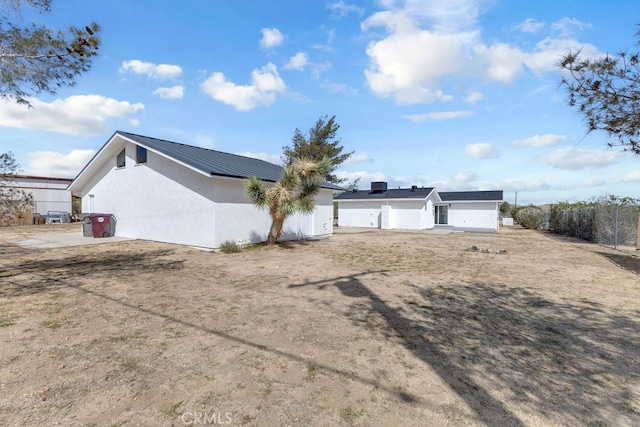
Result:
174,92
500,62
424,46
52,163
530,25
539,140
297,62
154,71
547,53
463,177
271,37
265,85
576,159
593,182
481,150
633,176
437,116
517,185
335,87
474,97
343,9
271,158
565,26
365,177
358,158
84,115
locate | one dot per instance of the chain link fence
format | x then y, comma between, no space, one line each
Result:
611,225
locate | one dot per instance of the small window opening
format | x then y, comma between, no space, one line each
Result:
141,155
121,159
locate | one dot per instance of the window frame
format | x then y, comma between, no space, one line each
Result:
438,214
141,155
121,164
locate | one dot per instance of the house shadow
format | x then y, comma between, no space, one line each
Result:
570,362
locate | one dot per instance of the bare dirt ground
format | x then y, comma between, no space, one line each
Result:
377,328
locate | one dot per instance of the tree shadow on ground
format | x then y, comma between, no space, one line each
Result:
73,269
500,348
623,260
57,270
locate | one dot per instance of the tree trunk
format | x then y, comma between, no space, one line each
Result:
275,231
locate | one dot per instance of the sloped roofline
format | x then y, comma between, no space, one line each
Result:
344,197
262,169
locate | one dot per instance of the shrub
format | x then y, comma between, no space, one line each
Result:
530,217
230,247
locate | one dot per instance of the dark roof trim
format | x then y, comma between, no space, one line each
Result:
43,178
399,193
213,162
476,196
204,160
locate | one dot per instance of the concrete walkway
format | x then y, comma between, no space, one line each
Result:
62,240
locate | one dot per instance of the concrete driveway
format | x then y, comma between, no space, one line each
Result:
61,240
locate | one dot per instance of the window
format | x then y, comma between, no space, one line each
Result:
141,154
121,160
442,214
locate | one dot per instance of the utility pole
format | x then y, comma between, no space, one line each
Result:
515,205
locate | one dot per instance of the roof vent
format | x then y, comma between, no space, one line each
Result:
414,187
378,187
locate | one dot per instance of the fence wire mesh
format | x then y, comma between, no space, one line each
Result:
611,225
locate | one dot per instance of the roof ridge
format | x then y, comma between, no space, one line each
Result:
195,146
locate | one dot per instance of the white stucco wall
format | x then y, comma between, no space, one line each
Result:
474,216
418,214
407,214
359,214
164,201
428,220
150,202
237,219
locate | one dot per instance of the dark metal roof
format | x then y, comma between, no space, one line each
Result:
399,193
213,162
457,196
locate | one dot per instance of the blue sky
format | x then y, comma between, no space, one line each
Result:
460,95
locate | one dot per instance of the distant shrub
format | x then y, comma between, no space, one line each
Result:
530,217
230,247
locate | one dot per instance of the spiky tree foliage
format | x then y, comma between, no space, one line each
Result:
322,142
606,91
293,192
35,58
13,201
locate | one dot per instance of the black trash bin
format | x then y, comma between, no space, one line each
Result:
87,227
103,225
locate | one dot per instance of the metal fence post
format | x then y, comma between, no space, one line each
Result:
615,228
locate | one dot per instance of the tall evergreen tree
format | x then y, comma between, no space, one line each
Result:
606,91
36,59
321,142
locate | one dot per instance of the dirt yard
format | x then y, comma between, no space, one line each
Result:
378,328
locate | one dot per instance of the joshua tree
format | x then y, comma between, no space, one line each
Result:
293,192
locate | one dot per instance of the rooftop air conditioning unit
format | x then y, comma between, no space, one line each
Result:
378,187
